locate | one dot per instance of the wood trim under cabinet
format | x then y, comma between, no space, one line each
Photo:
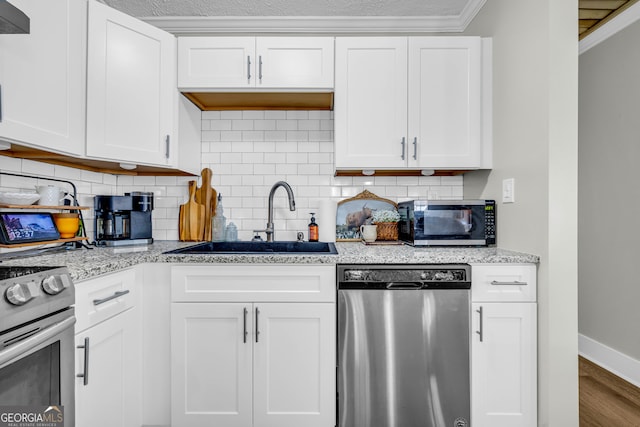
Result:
399,172
222,101
93,165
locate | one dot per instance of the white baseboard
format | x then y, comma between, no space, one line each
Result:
612,360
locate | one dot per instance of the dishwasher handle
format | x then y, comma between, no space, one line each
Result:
404,285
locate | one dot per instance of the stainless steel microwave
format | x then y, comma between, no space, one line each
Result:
448,222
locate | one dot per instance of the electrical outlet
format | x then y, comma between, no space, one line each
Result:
508,190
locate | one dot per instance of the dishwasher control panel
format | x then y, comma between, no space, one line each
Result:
404,276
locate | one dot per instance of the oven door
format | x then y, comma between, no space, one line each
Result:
37,364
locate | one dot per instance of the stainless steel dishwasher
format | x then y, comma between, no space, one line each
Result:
403,345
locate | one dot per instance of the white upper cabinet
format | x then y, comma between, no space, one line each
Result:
444,127
371,102
131,99
409,102
255,62
42,78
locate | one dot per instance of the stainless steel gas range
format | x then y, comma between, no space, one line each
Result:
36,340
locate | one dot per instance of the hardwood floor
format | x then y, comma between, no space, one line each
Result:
605,399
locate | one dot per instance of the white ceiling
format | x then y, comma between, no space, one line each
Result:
430,8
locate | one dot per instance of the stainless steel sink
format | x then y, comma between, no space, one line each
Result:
265,248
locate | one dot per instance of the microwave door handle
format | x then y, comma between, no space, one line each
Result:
15,351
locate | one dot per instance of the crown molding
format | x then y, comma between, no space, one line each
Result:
215,25
615,25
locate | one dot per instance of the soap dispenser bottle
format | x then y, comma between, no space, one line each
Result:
218,225
313,229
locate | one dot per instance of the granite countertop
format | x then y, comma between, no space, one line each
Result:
87,263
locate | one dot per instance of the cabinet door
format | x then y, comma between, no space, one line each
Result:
211,365
222,62
371,102
112,396
294,62
445,102
42,77
503,383
294,365
131,88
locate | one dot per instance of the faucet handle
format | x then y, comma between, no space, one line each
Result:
300,236
257,237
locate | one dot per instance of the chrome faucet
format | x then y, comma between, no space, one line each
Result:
292,206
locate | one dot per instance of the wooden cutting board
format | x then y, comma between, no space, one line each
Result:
191,220
207,196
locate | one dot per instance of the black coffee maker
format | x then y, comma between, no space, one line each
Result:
123,220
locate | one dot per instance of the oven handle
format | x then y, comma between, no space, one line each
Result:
22,347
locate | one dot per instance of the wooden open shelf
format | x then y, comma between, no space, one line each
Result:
63,207
46,242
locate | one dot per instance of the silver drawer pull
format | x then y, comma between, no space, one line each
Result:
514,283
109,298
480,330
85,374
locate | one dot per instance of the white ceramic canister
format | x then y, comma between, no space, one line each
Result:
50,195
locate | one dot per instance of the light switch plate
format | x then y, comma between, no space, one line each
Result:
508,190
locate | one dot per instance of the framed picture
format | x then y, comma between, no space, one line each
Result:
352,213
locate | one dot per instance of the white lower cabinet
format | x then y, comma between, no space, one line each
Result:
503,347
254,362
108,349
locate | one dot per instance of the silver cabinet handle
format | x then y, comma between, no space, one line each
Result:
167,149
248,69
415,148
403,146
85,374
257,328
260,68
480,330
0,103
244,325
514,283
109,298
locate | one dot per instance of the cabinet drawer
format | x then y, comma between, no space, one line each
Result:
104,297
506,282
258,283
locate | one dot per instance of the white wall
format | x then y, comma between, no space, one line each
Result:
535,48
608,197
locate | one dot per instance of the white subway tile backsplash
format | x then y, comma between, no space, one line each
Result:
248,151
275,135
9,164
30,167
275,114
229,115
242,124
253,114
297,135
309,125
210,115
297,115
210,135
231,135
